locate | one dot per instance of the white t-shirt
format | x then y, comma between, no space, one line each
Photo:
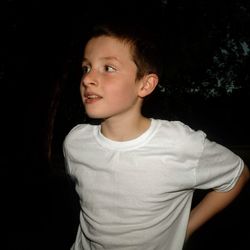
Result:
137,194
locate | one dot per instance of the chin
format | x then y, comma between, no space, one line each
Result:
94,115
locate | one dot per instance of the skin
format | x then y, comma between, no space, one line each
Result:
214,202
110,91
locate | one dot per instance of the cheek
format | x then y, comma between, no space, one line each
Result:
123,93
81,88
125,86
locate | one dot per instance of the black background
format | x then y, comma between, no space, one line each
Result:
40,205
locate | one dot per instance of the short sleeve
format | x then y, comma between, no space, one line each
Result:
66,158
68,145
218,167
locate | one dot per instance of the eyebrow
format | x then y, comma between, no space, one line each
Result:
105,58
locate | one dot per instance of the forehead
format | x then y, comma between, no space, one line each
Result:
106,47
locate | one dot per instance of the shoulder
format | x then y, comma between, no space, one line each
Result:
79,133
78,129
181,136
177,130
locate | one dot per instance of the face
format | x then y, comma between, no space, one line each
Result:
108,86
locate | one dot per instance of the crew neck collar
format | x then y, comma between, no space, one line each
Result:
126,145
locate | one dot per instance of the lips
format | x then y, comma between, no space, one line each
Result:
91,97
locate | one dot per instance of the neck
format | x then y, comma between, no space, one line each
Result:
124,130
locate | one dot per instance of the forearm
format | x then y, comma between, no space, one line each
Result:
213,203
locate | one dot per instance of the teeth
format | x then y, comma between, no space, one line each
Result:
92,96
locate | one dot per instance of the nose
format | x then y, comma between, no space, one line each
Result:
89,79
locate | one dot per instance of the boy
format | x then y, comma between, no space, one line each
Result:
135,176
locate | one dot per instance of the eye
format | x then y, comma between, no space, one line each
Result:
109,68
86,69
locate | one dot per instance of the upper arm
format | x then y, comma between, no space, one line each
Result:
244,177
219,168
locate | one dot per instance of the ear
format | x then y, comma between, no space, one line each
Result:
148,84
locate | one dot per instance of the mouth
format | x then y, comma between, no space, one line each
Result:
91,98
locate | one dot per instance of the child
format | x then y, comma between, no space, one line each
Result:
135,176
